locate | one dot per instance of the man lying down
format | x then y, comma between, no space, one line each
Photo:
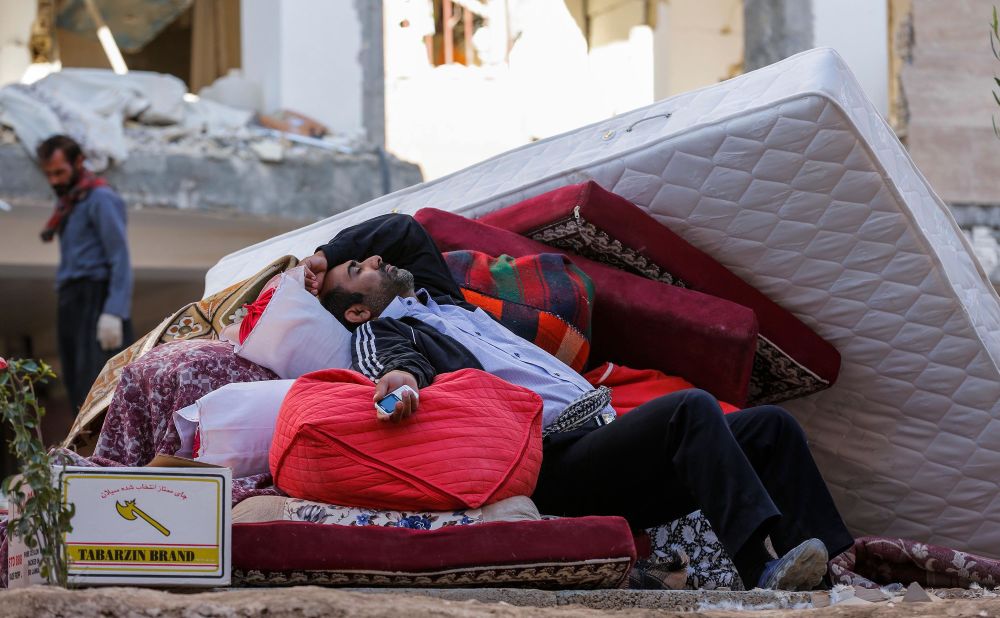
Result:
750,472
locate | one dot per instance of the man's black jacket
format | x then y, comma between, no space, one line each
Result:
386,344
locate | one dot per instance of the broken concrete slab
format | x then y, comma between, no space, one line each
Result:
916,594
873,595
308,184
269,151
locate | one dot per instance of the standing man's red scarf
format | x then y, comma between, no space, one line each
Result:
64,206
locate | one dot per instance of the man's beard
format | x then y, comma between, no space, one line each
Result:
395,282
65,187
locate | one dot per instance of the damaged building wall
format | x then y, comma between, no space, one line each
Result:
944,109
946,85
307,55
542,67
857,29
15,29
714,29
307,184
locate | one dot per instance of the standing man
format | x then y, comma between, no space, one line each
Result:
94,279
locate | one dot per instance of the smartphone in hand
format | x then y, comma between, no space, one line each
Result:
387,405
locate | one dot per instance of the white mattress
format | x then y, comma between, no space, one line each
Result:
789,177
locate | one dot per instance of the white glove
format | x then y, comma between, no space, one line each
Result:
109,331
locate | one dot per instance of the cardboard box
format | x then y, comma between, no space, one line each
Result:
167,524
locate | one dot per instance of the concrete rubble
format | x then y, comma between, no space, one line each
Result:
244,172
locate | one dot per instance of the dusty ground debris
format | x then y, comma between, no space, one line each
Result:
313,601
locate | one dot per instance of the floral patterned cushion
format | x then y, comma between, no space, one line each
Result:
278,508
877,561
709,566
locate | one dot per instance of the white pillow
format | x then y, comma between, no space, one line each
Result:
295,334
236,425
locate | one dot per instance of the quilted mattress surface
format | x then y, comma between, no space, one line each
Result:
789,178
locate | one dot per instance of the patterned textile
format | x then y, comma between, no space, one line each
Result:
204,319
139,423
877,561
320,513
582,411
543,298
709,566
257,485
582,575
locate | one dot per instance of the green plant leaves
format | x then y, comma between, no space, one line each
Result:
43,520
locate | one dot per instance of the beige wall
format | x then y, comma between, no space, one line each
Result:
946,91
16,17
697,44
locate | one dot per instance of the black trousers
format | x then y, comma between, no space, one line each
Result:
750,472
81,302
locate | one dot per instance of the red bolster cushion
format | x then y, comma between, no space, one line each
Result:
474,440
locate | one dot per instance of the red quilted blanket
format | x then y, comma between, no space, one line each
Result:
474,440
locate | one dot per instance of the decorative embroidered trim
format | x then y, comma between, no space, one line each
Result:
589,574
580,412
776,376
578,235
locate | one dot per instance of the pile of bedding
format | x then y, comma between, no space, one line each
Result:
790,179
787,178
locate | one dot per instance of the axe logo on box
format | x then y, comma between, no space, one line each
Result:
130,511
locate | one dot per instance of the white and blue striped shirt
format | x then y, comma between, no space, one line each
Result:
497,349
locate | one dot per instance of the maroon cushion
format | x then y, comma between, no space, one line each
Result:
581,552
636,322
792,360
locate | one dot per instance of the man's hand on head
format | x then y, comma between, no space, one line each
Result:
390,382
315,270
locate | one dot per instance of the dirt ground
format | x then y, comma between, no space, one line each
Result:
312,601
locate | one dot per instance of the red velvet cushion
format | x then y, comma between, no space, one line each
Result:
583,552
792,360
630,388
474,440
636,322
543,298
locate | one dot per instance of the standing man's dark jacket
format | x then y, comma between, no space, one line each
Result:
94,278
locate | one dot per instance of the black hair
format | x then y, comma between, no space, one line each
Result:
69,147
338,300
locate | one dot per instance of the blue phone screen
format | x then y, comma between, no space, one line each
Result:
388,404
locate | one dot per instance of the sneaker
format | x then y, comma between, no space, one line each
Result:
660,573
801,568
